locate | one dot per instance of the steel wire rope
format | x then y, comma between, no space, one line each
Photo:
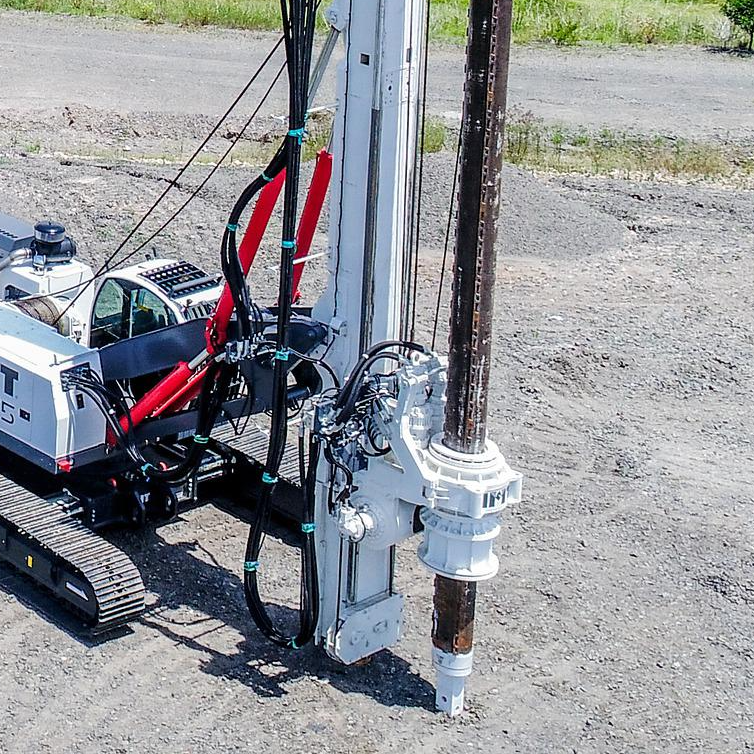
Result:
444,263
215,168
417,199
341,189
106,265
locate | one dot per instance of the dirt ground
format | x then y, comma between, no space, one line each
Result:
623,615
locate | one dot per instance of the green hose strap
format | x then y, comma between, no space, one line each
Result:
268,478
201,440
308,527
231,227
251,565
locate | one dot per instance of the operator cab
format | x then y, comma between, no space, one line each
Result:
149,296
41,276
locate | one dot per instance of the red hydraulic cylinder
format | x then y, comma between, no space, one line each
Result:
315,200
217,325
167,386
182,395
184,383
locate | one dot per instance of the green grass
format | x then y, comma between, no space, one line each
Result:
435,135
567,22
563,22
240,14
532,143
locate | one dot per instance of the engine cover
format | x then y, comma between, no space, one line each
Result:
40,420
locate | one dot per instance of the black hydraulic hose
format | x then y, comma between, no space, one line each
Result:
309,599
214,392
349,394
299,17
230,262
347,410
358,370
210,403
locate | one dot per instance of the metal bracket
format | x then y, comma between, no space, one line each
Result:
367,630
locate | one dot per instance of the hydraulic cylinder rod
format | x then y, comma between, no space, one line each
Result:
470,338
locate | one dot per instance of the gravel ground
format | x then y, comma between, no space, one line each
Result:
621,619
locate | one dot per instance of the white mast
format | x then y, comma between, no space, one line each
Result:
374,142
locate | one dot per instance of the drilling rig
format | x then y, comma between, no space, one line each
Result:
123,388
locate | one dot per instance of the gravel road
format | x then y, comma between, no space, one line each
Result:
622,617
47,63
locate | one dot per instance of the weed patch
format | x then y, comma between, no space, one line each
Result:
533,143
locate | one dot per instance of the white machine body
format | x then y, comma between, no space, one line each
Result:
54,317
39,419
23,277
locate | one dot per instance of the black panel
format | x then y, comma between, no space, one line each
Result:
152,352
181,279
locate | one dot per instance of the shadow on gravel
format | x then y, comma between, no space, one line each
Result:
183,580
738,52
38,599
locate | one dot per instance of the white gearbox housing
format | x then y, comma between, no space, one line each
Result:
460,495
39,420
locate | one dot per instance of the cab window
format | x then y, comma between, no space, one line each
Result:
124,310
148,312
110,315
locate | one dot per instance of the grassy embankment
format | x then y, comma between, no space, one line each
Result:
538,145
533,143
560,21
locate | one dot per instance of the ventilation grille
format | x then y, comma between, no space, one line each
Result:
181,279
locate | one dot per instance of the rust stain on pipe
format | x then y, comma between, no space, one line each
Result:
453,617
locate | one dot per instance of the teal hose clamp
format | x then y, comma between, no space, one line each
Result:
288,244
308,527
231,227
251,565
268,478
297,133
201,440
282,354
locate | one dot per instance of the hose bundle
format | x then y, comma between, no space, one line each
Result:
299,18
112,405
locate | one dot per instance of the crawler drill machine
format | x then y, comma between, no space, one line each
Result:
129,392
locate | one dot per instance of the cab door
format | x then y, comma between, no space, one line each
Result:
124,309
